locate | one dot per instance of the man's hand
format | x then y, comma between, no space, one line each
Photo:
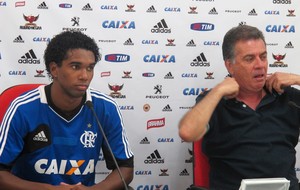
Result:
278,81
228,87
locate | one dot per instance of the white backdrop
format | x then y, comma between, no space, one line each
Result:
162,54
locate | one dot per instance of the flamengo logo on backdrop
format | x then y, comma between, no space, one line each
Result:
156,123
130,8
202,26
39,73
209,75
127,75
116,88
29,58
30,25
278,60
291,13
117,58
164,172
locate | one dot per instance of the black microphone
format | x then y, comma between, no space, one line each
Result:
91,106
293,104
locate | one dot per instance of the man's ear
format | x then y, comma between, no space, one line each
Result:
228,65
53,69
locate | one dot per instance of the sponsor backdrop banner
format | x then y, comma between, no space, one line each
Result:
157,56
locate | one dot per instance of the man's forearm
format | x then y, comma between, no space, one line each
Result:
194,123
9,181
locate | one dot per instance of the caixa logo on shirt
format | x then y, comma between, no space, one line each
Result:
64,167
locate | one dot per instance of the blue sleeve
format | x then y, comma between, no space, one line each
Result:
12,132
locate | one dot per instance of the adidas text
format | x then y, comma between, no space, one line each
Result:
154,161
161,30
29,61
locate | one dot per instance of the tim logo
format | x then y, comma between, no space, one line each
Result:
156,123
148,74
117,58
202,26
88,139
65,5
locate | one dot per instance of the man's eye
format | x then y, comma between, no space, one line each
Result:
75,67
90,68
263,57
248,59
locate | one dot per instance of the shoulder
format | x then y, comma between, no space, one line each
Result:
98,97
29,97
25,103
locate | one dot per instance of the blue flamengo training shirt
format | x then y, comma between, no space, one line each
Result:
44,147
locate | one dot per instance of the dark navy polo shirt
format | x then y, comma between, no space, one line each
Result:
244,143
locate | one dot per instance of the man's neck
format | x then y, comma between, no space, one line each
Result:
252,99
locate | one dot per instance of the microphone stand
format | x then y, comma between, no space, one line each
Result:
90,105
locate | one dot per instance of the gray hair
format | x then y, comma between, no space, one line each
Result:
235,34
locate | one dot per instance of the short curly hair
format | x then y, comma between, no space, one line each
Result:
57,49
